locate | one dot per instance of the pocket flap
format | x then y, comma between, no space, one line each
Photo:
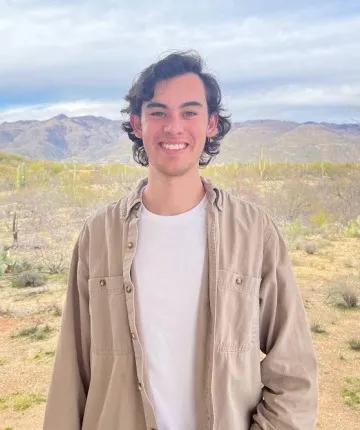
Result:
106,285
240,283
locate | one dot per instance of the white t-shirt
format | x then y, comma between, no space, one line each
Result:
168,269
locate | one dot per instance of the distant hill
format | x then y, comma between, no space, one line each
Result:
98,139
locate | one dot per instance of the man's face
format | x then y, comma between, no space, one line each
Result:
174,125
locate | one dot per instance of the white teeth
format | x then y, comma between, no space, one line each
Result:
173,146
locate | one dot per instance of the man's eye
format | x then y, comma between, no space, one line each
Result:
189,113
158,114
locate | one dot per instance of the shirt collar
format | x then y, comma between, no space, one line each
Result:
134,199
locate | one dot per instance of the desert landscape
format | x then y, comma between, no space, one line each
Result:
71,74
43,205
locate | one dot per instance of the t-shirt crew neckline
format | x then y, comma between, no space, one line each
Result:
195,211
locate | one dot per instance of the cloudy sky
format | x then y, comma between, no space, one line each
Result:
274,58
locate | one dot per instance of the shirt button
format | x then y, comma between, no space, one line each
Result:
130,245
102,282
129,289
139,386
133,335
238,281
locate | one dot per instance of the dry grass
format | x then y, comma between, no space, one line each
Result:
351,393
317,328
20,401
33,332
354,344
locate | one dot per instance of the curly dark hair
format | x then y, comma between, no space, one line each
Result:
175,64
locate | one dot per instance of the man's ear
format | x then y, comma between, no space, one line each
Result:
136,125
212,125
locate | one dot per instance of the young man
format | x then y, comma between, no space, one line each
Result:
175,289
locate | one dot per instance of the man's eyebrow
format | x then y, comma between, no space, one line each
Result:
163,106
192,103
156,105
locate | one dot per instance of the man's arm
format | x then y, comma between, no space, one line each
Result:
289,370
71,373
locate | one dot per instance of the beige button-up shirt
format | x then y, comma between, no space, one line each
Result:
250,303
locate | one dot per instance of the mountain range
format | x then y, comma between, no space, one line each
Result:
99,139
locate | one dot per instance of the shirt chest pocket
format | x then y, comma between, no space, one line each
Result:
237,314
110,333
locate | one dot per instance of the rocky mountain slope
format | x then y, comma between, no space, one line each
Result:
95,139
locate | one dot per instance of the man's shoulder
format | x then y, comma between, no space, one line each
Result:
250,215
107,213
243,206
116,211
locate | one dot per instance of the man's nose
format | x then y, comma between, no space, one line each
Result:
173,126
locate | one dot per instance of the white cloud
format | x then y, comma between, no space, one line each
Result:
308,103
301,96
73,48
107,109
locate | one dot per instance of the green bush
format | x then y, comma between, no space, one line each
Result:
10,265
28,278
20,401
4,262
319,219
19,266
34,332
296,229
351,392
353,228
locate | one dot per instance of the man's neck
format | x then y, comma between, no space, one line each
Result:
173,195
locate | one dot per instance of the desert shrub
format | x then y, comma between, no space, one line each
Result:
351,392
317,328
331,231
5,262
354,344
34,332
28,278
290,201
340,196
311,248
53,260
20,266
295,229
350,299
20,401
319,219
12,266
54,310
353,228
344,292
44,355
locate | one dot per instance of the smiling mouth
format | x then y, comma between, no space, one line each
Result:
173,146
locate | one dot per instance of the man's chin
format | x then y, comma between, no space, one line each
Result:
174,171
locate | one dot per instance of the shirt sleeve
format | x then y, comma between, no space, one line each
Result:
71,372
289,369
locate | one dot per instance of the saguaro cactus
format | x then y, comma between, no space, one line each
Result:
262,163
21,176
